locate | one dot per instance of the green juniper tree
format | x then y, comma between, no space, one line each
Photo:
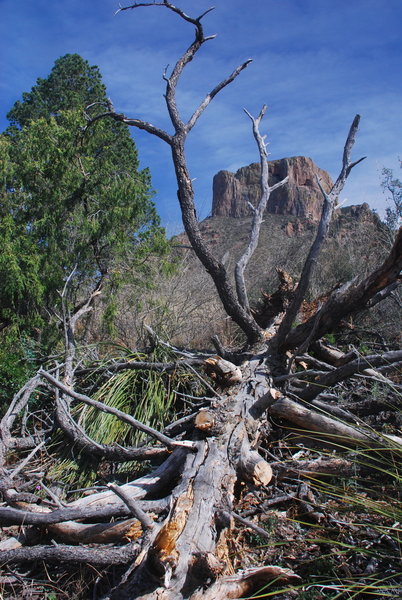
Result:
71,202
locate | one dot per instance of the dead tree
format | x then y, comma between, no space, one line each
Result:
182,511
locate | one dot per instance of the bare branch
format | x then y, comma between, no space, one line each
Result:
185,189
214,267
145,126
203,380
26,460
137,365
13,516
170,6
70,322
388,291
189,355
84,443
18,403
86,305
329,204
136,511
341,373
188,55
262,532
347,165
138,123
197,113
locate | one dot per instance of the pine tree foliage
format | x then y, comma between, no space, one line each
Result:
70,200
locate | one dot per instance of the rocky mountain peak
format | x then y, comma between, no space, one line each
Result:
301,196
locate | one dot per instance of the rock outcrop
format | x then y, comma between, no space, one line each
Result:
360,212
301,196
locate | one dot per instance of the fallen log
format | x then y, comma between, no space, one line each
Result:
101,557
343,372
331,429
33,514
178,558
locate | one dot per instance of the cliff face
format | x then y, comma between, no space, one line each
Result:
300,197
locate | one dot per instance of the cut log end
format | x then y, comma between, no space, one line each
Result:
204,420
253,467
262,474
224,371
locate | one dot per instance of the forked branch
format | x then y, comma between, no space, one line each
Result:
194,21
258,211
215,268
187,56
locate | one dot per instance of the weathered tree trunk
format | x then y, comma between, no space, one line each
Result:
190,547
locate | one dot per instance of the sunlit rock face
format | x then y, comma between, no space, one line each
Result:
300,196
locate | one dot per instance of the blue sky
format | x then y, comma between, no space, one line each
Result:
316,63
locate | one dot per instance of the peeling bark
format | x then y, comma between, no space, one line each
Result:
194,527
